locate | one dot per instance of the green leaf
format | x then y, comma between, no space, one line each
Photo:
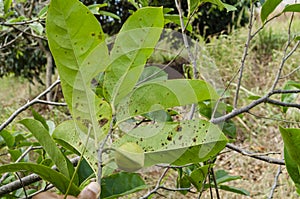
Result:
222,176
15,154
133,46
80,53
292,167
229,8
221,5
109,14
8,138
57,179
121,184
43,11
192,6
94,8
42,135
198,176
134,4
175,19
235,190
152,74
289,97
291,140
155,96
37,28
183,182
177,143
40,118
268,7
67,135
292,8
7,5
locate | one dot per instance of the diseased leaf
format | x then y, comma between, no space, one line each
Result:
72,41
177,143
161,95
44,138
57,179
80,53
268,7
121,184
133,46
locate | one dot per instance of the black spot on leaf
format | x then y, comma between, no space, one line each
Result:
178,128
102,122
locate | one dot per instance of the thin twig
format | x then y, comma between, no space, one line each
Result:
27,105
286,91
250,154
275,184
176,189
157,186
101,149
215,182
244,56
283,104
23,186
275,119
210,187
248,107
20,22
162,69
291,73
190,54
286,55
6,44
78,164
51,103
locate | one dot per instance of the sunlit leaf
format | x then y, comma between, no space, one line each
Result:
177,143
161,95
80,53
292,8
268,7
133,46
